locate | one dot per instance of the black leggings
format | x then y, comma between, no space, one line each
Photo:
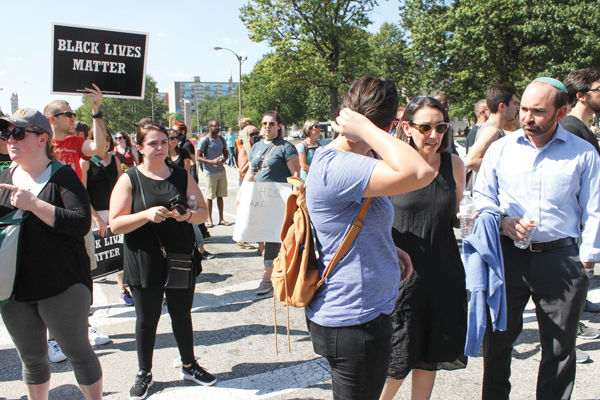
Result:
148,306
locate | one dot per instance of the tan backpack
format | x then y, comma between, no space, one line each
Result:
295,274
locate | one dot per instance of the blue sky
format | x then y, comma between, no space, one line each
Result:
182,36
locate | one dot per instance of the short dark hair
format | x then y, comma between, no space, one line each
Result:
580,81
375,98
415,105
499,94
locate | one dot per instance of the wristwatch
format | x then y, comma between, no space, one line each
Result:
99,114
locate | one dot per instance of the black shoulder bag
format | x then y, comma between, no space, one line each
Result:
180,266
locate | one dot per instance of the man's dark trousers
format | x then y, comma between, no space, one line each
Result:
557,283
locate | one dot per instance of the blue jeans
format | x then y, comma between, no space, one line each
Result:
358,356
232,157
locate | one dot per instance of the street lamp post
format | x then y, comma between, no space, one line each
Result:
240,61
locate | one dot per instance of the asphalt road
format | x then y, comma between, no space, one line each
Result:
233,333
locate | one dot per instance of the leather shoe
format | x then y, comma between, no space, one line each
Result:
591,307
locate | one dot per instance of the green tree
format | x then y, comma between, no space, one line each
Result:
464,47
272,86
121,114
223,109
323,42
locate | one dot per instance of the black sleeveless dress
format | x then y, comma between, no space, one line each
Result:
430,317
100,182
144,263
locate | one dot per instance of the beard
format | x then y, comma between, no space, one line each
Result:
539,130
595,107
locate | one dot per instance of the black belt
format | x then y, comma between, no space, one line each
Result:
538,247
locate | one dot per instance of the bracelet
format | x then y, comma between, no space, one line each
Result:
188,218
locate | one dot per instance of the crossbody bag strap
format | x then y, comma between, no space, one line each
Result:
357,224
162,247
263,161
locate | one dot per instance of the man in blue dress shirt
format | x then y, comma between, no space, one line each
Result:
553,175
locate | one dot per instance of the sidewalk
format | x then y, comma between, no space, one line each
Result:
233,335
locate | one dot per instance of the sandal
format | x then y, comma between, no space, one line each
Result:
246,246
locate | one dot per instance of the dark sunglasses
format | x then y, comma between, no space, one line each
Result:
16,133
67,114
268,123
315,127
594,90
425,129
173,137
118,137
213,126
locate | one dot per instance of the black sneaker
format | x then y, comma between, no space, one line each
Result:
139,390
207,256
198,374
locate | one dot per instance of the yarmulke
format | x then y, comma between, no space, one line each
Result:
552,82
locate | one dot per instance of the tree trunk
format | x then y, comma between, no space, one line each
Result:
333,102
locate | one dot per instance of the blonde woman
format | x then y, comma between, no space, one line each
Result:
306,148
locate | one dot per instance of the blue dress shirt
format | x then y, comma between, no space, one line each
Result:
557,183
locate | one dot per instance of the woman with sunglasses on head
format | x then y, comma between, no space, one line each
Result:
178,156
306,148
430,317
271,160
124,150
141,208
349,317
53,286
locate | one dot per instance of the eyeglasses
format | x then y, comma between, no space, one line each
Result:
594,90
425,129
118,137
268,123
67,114
173,138
213,126
17,133
315,127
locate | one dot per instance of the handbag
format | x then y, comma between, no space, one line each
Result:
180,266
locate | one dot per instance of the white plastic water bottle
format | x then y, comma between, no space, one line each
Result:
192,203
532,222
467,211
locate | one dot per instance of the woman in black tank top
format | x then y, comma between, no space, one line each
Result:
145,267
430,316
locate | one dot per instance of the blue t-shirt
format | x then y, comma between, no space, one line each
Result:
303,147
365,282
230,139
212,148
274,168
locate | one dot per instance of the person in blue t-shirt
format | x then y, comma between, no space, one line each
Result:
230,140
307,147
349,317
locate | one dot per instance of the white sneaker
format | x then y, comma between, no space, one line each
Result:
55,354
96,337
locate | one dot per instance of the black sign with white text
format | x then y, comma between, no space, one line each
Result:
113,60
109,253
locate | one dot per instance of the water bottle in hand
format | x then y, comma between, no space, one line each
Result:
532,223
192,203
467,211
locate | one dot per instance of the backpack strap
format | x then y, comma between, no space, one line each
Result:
357,224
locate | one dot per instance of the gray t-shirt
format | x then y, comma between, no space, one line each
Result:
211,149
275,167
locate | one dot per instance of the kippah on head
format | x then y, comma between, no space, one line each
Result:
552,82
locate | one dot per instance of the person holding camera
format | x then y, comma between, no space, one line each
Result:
149,205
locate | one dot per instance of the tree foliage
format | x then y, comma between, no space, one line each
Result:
121,114
322,41
464,47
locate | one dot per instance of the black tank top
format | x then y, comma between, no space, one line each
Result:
144,262
100,182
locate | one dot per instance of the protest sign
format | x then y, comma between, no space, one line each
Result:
108,252
113,60
261,211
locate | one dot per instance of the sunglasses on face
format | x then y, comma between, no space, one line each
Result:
173,137
594,90
118,137
67,114
315,127
16,133
268,123
425,129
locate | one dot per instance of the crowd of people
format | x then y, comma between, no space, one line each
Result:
396,303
